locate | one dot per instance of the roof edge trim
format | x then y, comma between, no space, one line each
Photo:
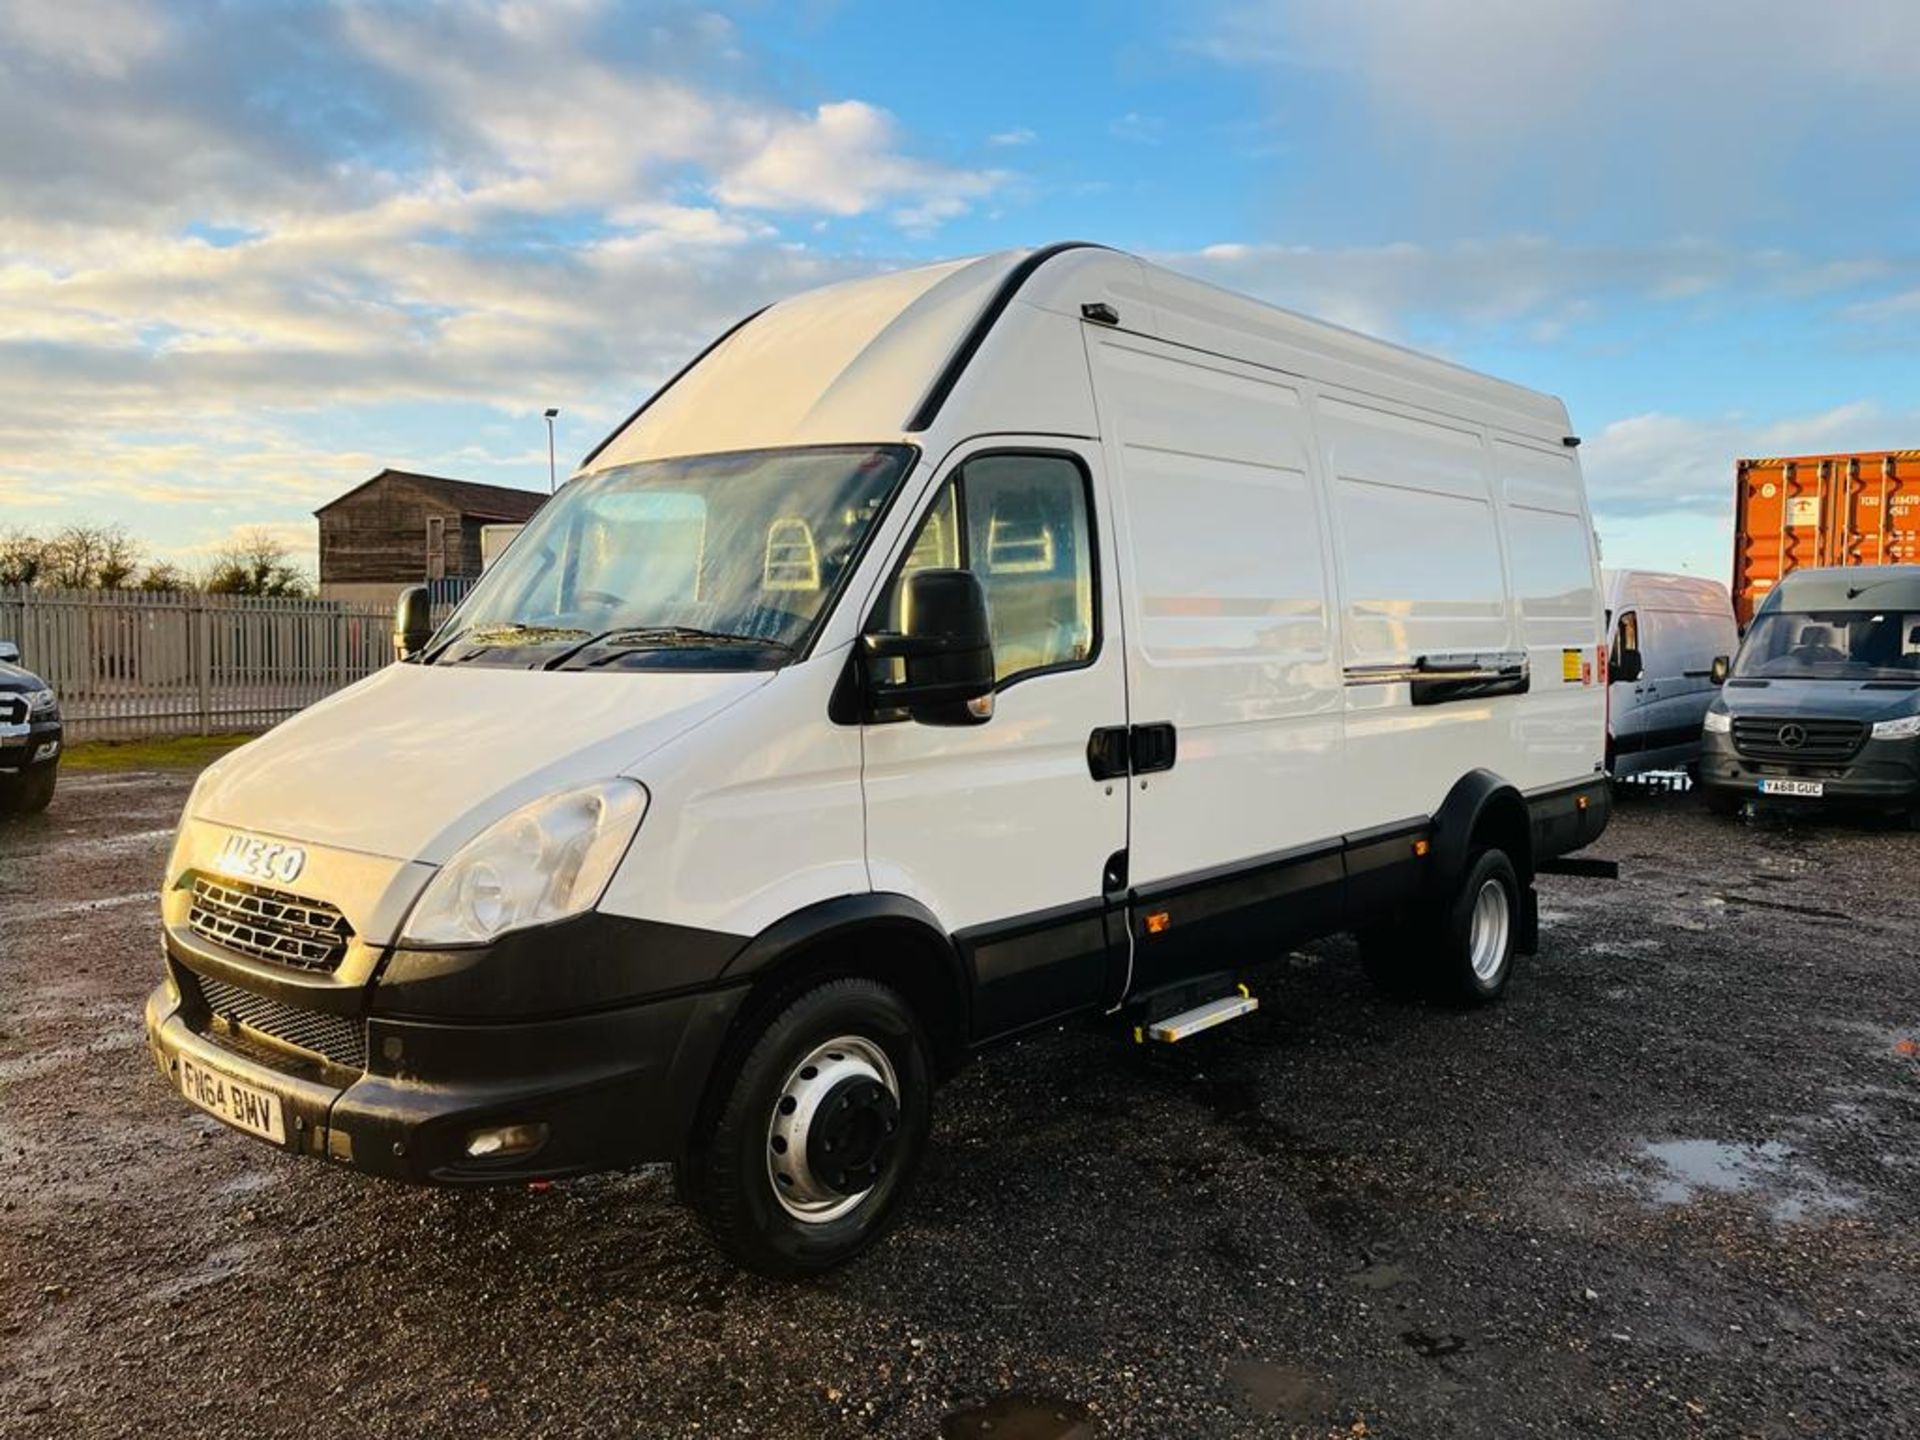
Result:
929,408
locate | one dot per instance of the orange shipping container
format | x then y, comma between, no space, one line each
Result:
1806,510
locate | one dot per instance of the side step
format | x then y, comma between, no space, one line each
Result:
1176,1028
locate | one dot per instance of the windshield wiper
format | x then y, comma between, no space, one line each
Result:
662,637
512,632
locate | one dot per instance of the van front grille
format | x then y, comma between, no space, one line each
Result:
1794,741
270,925
341,1039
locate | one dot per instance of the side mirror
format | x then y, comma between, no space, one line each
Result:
1626,667
1722,667
945,648
9,653
412,622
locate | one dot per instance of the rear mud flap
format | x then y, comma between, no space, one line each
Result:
1527,942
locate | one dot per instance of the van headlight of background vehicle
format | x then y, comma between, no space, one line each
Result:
1718,722
544,862
1905,728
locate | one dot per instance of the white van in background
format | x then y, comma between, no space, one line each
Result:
1667,630
940,655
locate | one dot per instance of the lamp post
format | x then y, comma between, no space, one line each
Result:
550,470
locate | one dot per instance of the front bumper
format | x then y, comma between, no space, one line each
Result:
613,1087
1882,775
38,742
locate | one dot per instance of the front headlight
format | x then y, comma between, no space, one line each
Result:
1718,722
41,701
544,862
1905,728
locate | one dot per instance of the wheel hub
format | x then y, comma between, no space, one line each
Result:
833,1130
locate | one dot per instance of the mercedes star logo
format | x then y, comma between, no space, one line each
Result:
1792,737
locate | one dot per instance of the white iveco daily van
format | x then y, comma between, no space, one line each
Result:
937,656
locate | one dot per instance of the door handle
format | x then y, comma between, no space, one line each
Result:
1107,752
1117,750
1153,748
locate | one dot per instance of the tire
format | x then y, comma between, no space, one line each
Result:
1432,954
1481,925
868,1094
1391,956
29,792
1719,802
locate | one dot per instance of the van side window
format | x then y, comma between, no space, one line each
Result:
1020,523
1627,637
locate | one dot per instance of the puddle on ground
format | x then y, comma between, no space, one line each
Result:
1282,1392
1676,1172
1020,1417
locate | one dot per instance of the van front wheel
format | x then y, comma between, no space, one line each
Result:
818,1126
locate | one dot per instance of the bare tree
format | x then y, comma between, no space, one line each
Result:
83,556
23,555
256,563
164,575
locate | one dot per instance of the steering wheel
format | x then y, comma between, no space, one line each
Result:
600,597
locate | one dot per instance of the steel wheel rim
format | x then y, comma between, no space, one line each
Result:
1487,934
804,1194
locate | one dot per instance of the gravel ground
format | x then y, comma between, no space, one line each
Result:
1666,1188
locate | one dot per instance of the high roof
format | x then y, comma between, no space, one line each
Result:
878,359
469,497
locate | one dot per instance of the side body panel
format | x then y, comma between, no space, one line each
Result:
1230,640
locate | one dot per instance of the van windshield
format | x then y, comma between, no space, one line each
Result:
1832,645
707,562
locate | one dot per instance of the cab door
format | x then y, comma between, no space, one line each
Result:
1008,831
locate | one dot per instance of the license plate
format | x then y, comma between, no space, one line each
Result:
1813,789
241,1106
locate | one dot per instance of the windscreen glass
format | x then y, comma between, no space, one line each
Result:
1832,645
725,561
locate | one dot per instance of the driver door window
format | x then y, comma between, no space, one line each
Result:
1021,524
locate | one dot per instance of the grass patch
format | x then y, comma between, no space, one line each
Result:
168,752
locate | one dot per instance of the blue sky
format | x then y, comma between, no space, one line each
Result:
250,253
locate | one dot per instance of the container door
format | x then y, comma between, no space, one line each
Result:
1013,832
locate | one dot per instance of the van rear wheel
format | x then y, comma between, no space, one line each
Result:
818,1125
1459,950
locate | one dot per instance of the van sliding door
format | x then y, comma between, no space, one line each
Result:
1233,680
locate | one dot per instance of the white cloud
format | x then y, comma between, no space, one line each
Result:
1546,289
1647,117
1656,464
1018,136
453,205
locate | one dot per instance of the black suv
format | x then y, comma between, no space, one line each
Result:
30,737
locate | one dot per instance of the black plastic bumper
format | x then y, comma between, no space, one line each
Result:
613,1087
1882,775
17,751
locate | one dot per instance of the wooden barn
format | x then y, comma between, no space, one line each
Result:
401,529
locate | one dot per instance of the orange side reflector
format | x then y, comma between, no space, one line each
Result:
1422,845
1158,921
1580,802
